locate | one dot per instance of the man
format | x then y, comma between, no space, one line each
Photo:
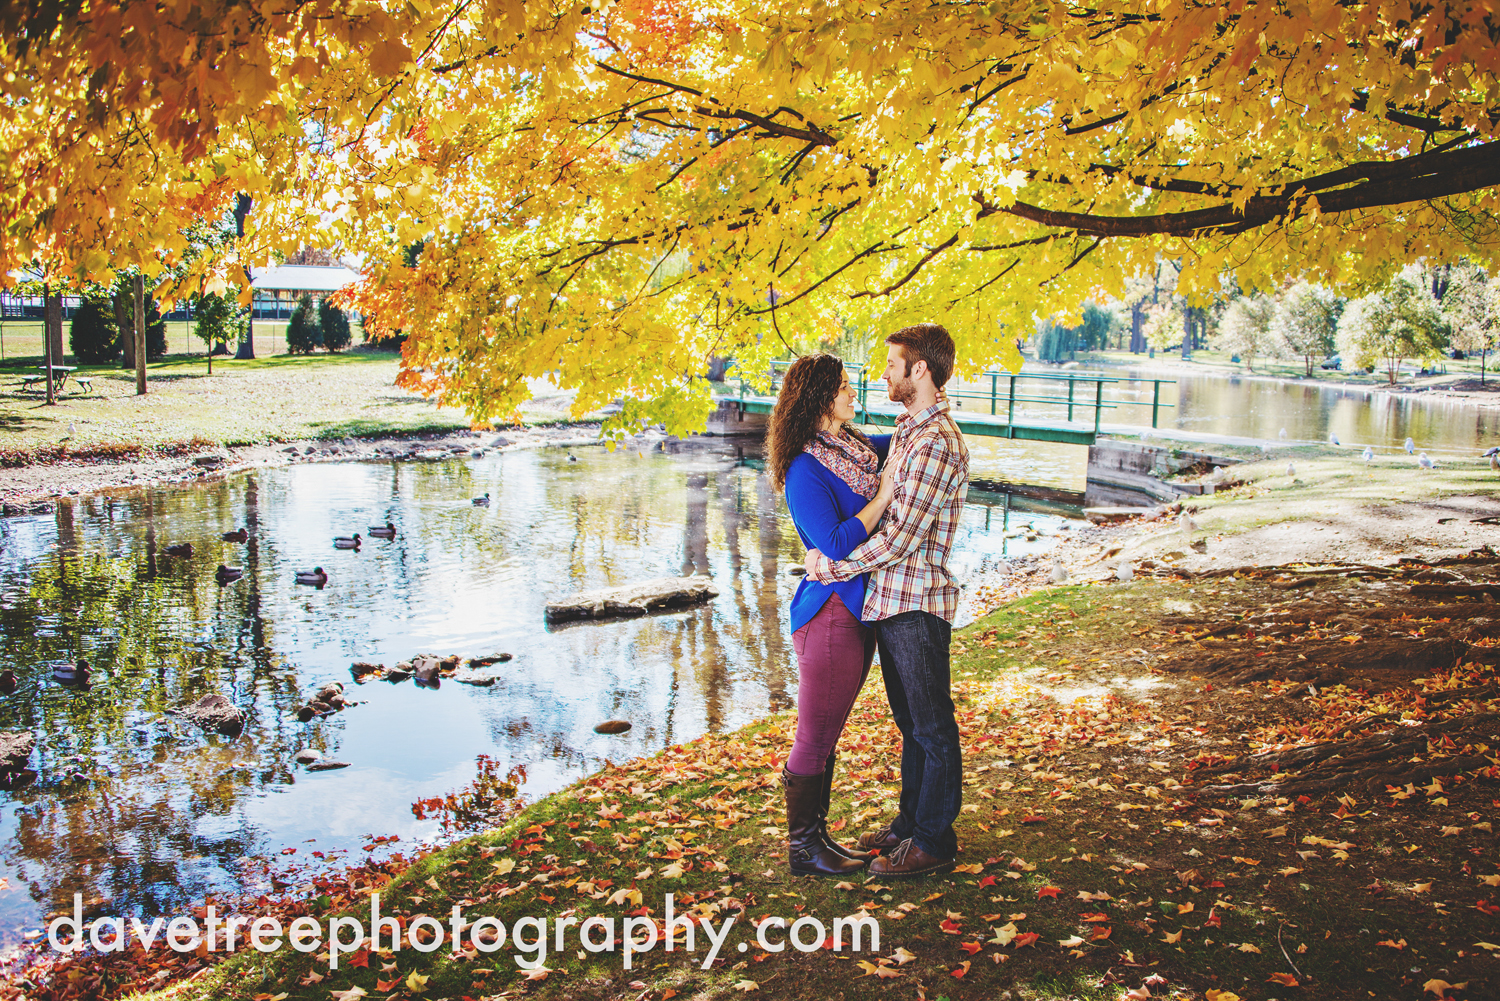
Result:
912,599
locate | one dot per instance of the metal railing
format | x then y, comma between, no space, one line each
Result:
1008,397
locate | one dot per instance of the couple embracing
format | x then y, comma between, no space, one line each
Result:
878,516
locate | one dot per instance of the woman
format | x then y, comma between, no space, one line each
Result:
836,494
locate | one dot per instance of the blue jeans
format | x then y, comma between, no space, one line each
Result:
914,662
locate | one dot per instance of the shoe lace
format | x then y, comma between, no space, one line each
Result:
898,854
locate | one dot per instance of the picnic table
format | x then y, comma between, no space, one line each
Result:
60,376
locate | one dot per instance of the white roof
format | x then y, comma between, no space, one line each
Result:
302,277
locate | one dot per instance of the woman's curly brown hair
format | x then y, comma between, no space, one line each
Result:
807,393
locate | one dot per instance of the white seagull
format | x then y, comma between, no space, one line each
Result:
1333,439
1282,435
1367,454
1425,462
1124,571
1059,573
1291,469
1410,446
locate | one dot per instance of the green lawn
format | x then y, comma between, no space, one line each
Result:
273,398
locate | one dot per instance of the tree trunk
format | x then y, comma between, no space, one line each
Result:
1187,333
246,352
51,303
140,335
125,327
54,329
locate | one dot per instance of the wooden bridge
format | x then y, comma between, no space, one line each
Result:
1066,407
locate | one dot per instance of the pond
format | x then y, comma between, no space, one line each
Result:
143,813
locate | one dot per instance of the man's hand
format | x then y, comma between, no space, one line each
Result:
810,561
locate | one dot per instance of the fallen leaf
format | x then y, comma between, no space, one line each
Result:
1172,938
1441,987
903,957
970,947
1247,947
1216,995
878,971
540,973
1026,938
1048,891
352,994
962,969
1421,888
974,868
747,986
1394,945
1186,908
1284,979
1136,994
1070,942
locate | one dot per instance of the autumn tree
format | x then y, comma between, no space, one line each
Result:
818,167
1305,322
1398,322
1245,328
1472,308
220,322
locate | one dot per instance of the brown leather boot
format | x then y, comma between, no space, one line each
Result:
907,860
828,840
808,854
879,841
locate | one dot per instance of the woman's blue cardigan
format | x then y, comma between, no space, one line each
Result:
823,510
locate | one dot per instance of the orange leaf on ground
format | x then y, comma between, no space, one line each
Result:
1284,979
1048,891
962,969
970,947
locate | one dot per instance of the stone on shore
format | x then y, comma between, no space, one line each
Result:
1113,515
641,598
216,713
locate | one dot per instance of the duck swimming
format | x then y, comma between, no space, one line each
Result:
482,501
386,531
180,549
225,575
347,541
238,535
314,576
72,674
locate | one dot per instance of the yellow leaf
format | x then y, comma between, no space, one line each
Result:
416,982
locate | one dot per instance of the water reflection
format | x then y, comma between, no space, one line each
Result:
1261,408
141,812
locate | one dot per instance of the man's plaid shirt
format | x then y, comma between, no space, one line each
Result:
908,557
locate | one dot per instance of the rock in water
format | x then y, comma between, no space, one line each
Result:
612,726
306,756
469,676
326,765
658,595
216,713
16,747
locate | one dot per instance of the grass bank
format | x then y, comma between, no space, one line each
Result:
1135,818
272,399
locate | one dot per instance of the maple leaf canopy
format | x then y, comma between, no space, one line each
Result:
613,194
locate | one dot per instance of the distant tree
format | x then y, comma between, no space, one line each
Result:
1400,321
1163,327
1471,306
1306,322
1098,326
1245,329
94,336
313,256
304,334
1054,342
156,332
221,322
335,325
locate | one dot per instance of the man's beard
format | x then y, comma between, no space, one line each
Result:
902,390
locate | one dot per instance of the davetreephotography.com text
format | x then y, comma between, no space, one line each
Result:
530,939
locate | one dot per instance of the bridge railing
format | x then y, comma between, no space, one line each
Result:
1003,391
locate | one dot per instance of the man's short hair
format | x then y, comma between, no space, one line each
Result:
927,342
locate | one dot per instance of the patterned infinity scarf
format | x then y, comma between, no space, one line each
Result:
848,458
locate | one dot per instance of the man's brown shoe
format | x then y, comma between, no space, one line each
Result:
906,859
878,841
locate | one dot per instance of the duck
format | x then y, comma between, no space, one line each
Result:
238,535
180,549
7,682
72,674
386,531
347,541
481,501
313,576
225,575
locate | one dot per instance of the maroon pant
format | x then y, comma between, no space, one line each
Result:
834,651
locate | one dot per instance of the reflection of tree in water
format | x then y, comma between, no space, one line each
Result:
131,807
